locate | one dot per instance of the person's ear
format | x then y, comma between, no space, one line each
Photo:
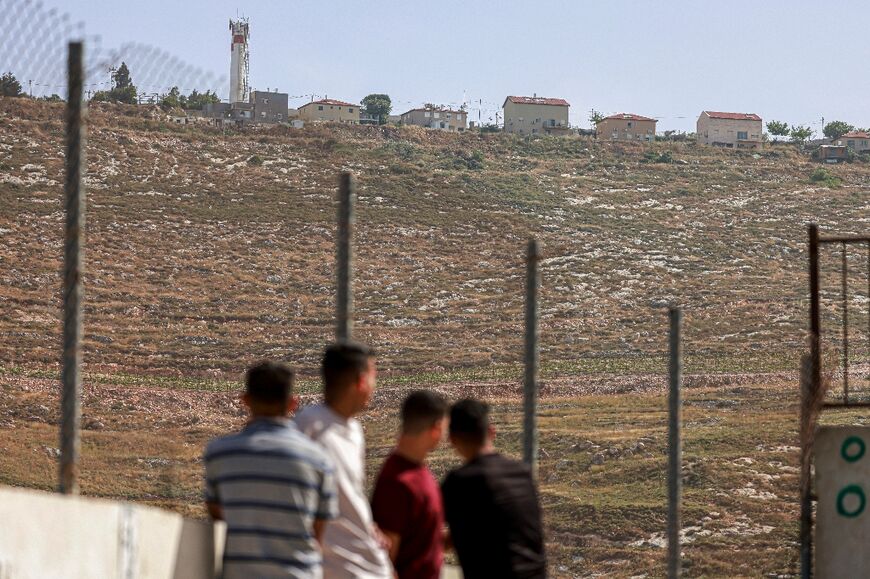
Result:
292,404
490,432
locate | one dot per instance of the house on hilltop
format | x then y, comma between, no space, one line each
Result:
858,141
731,130
330,110
535,115
626,127
436,118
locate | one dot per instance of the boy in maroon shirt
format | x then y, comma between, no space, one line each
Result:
406,504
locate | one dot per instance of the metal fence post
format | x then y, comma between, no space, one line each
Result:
344,258
530,383
675,482
808,394
72,275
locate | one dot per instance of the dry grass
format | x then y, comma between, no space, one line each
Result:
199,262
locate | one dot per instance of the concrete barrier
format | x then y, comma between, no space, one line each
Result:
46,535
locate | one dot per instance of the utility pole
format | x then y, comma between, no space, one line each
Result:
30,83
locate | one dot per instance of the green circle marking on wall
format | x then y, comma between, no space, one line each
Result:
841,497
853,449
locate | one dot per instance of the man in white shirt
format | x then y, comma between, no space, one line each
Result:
351,544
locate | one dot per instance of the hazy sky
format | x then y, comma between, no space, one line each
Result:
791,60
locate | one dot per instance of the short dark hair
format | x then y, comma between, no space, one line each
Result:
269,382
421,410
342,361
469,420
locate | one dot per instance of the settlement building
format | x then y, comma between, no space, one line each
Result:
858,141
269,107
330,110
535,115
436,118
626,127
732,130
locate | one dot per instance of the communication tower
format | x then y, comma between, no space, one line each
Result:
239,61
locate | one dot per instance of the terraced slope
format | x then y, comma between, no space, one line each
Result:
206,250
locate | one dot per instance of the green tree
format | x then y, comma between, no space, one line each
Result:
121,77
173,99
123,89
197,100
778,128
799,134
595,117
378,105
836,129
54,98
9,85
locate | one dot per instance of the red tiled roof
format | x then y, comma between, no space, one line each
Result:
733,116
856,135
536,101
628,117
330,102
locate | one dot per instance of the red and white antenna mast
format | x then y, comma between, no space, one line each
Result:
239,61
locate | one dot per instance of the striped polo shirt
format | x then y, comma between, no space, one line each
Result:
272,483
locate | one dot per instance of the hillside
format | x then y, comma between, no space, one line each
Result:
206,250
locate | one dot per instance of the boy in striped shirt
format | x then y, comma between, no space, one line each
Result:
273,486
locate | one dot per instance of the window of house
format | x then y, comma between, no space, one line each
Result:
851,143
436,115
319,107
742,135
426,114
629,124
350,110
447,115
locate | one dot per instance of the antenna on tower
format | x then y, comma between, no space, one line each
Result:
239,61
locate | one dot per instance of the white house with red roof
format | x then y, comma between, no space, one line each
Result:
731,130
535,115
330,110
626,127
858,141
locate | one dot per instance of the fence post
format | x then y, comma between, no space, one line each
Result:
675,481
530,383
344,258
72,275
808,395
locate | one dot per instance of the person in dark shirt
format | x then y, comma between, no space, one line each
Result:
490,503
406,503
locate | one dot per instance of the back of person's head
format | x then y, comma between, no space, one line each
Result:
269,383
342,364
421,410
469,420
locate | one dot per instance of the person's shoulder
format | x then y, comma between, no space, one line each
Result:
314,452
220,444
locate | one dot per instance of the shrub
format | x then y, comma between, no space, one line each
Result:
824,177
255,161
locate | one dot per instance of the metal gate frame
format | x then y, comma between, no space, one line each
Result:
811,403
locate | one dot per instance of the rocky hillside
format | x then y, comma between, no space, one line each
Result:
208,249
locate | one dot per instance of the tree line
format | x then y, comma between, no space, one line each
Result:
123,90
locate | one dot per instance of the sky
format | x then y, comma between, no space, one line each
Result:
791,60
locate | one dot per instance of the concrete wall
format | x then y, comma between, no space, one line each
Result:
724,132
523,119
317,111
46,536
434,119
269,107
624,129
